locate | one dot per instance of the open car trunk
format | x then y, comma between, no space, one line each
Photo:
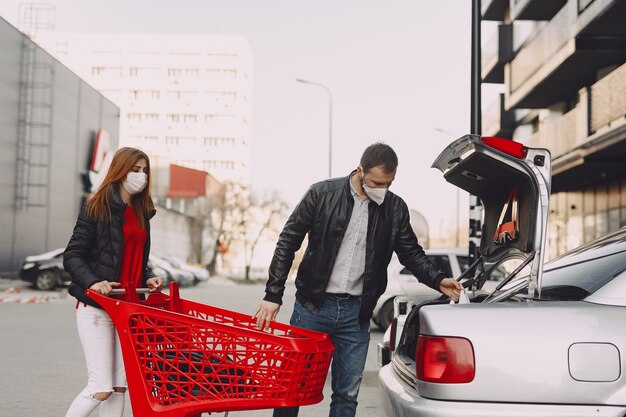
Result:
513,184
498,171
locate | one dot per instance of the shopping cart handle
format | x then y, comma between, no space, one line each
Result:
131,294
138,290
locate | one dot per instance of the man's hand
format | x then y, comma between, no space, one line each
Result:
451,287
265,314
155,284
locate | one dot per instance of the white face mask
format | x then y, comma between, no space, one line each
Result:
377,195
135,182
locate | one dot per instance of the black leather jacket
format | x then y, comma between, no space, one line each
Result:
324,213
94,252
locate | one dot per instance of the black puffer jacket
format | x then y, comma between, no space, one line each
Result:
94,252
324,213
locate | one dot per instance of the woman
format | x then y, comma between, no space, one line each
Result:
108,248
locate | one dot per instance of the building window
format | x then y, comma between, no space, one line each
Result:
97,70
151,140
133,72
173,95
171,140
134,117
155,94
211,118
189,163
152,117
192,72
226,97
219,141
174,72
222,165
190,118
174,118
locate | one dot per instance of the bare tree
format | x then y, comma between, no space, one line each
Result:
241,221
229,212
269,213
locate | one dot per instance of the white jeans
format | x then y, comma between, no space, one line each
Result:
105,367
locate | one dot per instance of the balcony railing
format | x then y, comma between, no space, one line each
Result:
497,121
494,9
490,52
543,46
608,99
535,9
497,51
607,105
491,117
559,136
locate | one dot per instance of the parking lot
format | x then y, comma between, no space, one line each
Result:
43,367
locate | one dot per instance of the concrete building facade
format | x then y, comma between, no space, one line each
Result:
49,119
562,65
184,99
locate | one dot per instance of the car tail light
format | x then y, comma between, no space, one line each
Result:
392,333
507,146
446,360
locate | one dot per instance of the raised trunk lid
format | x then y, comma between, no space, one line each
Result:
490,168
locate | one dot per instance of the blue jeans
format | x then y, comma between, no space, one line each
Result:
339,318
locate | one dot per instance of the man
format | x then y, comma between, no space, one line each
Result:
354,224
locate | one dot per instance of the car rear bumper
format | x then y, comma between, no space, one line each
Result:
400,400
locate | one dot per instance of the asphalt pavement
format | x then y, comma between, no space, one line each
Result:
42,366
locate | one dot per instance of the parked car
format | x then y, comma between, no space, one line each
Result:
158,263
401,282
45,271
559,355
200,274
545,344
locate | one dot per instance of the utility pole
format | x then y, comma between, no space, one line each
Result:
476,208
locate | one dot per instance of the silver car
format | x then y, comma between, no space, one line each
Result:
401,282
544,344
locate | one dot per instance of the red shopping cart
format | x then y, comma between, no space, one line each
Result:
184,358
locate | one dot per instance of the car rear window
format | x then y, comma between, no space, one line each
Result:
577,280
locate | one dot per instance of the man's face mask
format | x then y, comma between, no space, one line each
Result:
377,195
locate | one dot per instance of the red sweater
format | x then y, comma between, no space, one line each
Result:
134,242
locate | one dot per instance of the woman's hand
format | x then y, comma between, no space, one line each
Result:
104,287
155,284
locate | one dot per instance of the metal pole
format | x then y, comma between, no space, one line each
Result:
330,121
476,209
476,127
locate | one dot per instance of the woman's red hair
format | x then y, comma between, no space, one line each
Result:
124,160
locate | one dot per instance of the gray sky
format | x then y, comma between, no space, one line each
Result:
398,70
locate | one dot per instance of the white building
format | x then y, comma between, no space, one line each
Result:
184,99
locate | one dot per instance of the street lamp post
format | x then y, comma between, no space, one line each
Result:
330,121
